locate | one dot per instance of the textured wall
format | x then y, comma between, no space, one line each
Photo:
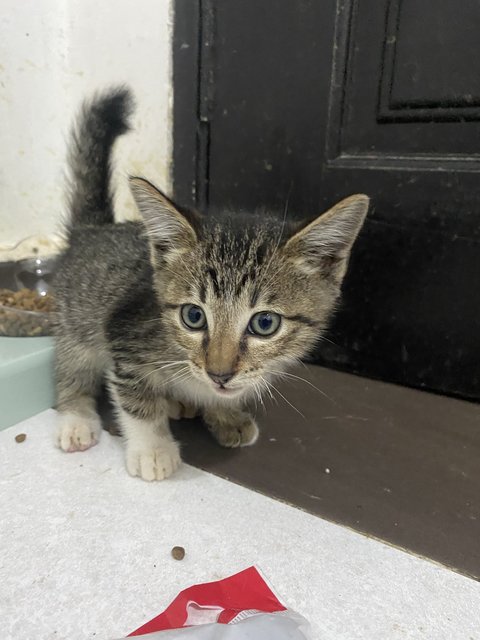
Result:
52,54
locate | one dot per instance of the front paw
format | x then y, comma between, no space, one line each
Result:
154,463
238,434
77,433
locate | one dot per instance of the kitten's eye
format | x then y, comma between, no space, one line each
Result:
265,323
193,317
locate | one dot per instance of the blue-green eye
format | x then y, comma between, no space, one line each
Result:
264,323
193,317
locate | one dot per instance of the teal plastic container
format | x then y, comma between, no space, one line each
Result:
26,378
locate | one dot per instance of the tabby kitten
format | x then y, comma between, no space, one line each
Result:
180,313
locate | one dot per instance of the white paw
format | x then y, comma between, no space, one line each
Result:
77,433
154,463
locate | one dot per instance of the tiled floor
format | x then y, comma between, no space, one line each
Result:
85,552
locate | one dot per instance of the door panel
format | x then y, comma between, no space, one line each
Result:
314,100
390,82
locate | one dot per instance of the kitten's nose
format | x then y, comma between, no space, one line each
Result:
221,378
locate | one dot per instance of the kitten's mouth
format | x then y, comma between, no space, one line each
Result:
226,391
220,389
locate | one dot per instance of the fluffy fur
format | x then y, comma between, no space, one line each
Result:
120,290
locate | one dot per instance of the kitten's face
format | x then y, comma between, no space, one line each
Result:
246,296
241,310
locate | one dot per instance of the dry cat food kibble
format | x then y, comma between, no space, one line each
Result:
21,437
13,320
27,300
178,553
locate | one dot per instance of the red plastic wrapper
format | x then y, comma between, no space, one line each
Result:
240,607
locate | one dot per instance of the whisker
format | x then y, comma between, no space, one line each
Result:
257,389
325,339
177,375
181,378
260,397
291,375
298,361
284,398
255,397
171,364
157,369
156,362
268,388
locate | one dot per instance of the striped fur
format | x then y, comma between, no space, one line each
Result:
120,290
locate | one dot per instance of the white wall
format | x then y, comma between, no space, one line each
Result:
53,53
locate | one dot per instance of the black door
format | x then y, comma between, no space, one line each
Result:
315,100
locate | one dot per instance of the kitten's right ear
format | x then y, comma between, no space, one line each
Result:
167,228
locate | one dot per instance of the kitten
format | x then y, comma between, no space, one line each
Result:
180,312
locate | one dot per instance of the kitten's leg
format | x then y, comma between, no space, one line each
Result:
231,427
151,451
78,376
178,410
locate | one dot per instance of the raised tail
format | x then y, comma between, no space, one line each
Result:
99,123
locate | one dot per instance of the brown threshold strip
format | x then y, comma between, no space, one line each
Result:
394,463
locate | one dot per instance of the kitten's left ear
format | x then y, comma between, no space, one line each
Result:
324,245
167,228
